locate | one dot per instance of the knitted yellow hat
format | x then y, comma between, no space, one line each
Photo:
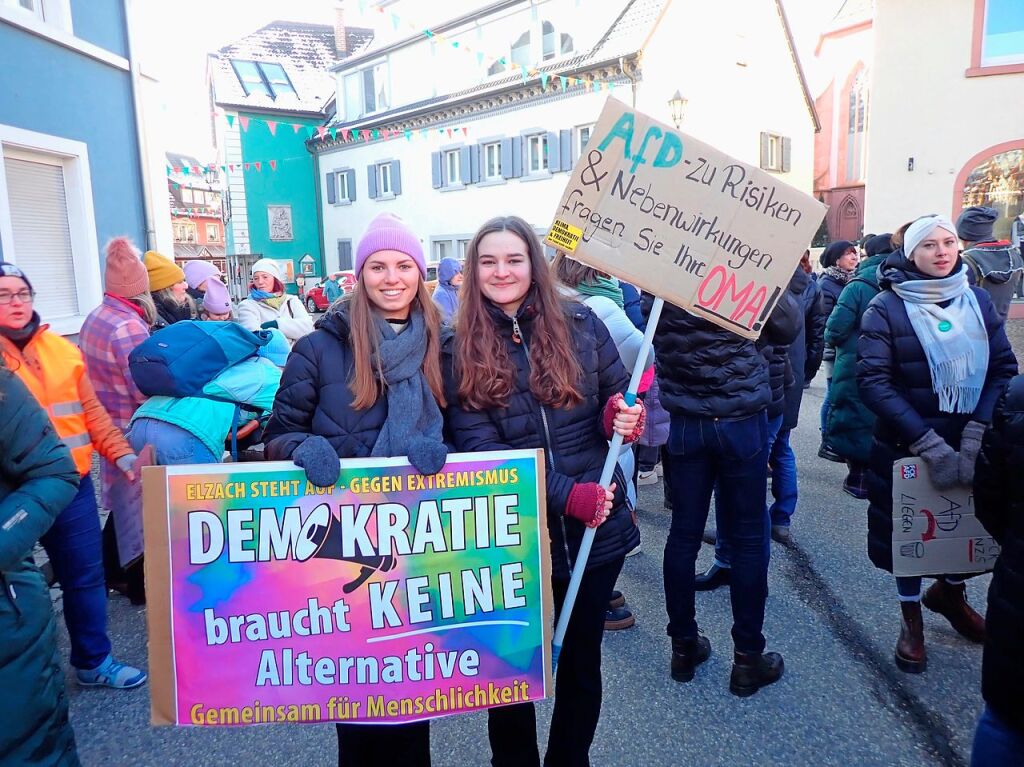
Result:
162,271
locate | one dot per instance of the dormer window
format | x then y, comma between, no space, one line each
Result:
366,91
521,51
541,42
263,77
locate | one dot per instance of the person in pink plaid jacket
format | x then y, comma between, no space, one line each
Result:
110,332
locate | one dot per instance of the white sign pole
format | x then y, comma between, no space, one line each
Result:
606,477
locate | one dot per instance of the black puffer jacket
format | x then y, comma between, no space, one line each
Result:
895,383
314,397
805,351
577,444
707,371
999,504
779,376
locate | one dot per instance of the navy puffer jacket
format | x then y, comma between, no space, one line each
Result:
999,503
575,447
895,383
710,372
805,351
314,396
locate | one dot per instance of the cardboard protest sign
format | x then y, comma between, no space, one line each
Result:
935,532
683,221
391,597
126,506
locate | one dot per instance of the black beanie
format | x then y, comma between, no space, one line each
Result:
975,223
8,269
834,251
879,243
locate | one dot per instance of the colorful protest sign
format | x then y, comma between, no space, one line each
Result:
391,597
683,221
935,531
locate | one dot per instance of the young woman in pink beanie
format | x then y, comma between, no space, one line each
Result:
367,382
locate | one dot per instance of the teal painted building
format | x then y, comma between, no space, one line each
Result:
270,91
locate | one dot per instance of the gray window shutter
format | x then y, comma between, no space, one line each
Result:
474,163
517,156
554,155
436,179
764,150
465,166
565,149
332,189
371,181
396,177
787,148
506,158
351,174
344,254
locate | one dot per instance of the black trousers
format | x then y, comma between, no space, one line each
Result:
512,731
578,679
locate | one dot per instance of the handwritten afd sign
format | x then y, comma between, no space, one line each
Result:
391,597
683,221
935,531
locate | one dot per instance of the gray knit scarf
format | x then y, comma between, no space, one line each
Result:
954,338
413,414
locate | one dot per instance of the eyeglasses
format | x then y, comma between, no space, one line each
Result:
23,296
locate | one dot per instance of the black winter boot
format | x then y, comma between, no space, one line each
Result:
687,654
752,671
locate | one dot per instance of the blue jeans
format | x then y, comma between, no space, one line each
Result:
75,547
826,405
784,483
731,454
996,744
173,445
723,546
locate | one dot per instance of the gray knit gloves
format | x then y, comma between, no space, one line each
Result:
970,446
942,460
319,459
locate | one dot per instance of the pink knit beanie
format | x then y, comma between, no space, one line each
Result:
389,232
125,275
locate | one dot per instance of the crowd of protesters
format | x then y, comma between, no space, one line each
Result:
512,352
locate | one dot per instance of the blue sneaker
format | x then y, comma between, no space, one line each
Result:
110,673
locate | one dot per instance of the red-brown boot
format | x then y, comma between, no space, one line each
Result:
950,601
910,654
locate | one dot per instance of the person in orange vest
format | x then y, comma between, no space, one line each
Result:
52,368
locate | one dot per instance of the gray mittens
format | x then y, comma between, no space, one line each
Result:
942,460
319,459
970,446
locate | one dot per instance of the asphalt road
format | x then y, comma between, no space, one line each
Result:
832,615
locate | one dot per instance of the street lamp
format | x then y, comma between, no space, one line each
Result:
678,106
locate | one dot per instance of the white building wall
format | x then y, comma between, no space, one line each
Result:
235,183
922,106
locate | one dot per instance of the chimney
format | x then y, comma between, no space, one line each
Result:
340,32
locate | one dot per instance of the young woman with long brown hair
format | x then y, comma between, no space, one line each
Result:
367,382
529,369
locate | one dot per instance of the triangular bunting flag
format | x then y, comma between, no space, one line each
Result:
522,71
196,169
480,58
231,121
259,165
296,127
465,131
185,170
395,20
243,121
597,86
231,167
449,133
247,166
611,87
408,135
168,169
455,43
375,135
544,77
362,6
423,132
272,124
365,134
273,164
428,33
334,134
321,131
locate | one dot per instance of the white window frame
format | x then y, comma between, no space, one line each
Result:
451,167
73,156
384,172
774,152
58,29
211,229
580,143
439,245
191,235
191,196
359,74
342,194
486,150
538,140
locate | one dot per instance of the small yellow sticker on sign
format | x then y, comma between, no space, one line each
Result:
565,236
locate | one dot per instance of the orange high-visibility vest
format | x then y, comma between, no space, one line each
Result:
51,367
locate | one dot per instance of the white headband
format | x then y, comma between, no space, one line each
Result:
921,228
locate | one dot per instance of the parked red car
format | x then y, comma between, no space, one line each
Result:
315,300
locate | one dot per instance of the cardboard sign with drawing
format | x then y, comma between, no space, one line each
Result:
682,220
935,532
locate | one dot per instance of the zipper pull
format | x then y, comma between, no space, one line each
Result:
517,335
